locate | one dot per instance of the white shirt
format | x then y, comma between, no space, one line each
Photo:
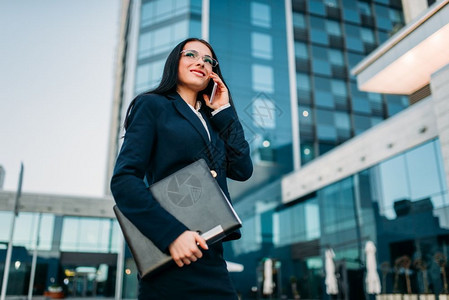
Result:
196,110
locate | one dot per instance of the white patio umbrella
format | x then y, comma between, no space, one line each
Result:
234,267
268,277
329,266
372,277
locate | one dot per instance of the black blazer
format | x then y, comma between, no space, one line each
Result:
163,136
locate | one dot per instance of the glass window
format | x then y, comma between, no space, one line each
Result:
423,172
333,28
298,223
354,59
195,5
261,45
320,62
321,67
383,36
393,176
264,113
178,32
331,3
306,116
163,7
396,16
383,17
350,12
317,7
325,117
342,120
361,105
263,79
353,38
85,234
367,35
323,92
5,225
301,50
338,88
337,207
396,103
318,32
336,57
302,82
149,75
440,164
195,29
375,121
364,8
260,14
147,13
143,75
361,123
324,99
163,39
326,130
251,236
299,20
307,153
156,11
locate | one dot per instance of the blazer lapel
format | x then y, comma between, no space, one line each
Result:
183,108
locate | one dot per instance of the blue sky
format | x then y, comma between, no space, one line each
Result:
56,81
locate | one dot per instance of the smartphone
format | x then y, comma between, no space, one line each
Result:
212,95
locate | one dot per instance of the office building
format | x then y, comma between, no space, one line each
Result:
349,141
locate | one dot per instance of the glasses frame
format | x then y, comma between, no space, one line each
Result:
198,56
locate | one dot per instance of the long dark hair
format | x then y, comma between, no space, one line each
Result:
169,79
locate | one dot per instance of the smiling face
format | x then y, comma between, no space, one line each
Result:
193,74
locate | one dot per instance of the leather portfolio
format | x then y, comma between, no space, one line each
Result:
193,196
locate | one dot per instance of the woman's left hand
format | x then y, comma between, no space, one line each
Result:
221,95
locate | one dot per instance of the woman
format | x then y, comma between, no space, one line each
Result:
167,129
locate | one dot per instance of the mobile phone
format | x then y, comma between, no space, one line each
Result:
212,95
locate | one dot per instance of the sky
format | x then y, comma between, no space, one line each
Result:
57,60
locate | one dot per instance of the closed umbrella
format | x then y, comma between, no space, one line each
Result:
234,267
331,280
268,277
372,277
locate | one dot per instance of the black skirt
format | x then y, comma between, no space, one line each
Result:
207,278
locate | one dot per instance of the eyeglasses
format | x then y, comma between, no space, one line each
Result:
194,55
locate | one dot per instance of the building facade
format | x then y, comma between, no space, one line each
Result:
288,64
341,157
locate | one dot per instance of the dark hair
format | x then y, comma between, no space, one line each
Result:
169,79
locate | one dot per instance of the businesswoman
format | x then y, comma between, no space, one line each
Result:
167,129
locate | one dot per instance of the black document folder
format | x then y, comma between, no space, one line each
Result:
194,197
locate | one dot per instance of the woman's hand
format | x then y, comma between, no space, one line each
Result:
184,250
221,95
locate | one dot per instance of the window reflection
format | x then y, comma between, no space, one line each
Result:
262,76
297,224
260,14
156,11
261,45
301,50
421,162
162,40
87,235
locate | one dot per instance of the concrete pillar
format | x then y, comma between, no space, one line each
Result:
439,85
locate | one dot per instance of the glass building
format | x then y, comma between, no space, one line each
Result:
67,247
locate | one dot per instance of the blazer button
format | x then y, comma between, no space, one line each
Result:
214,174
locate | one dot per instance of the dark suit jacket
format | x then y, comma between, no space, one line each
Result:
163,136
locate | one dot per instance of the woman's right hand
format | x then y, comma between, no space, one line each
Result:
184,250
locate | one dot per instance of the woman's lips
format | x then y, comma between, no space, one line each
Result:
198,72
